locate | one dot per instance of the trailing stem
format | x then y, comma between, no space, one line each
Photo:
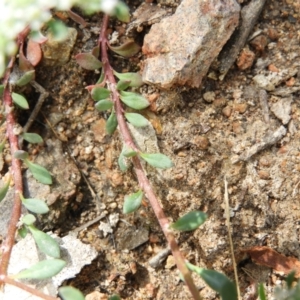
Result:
142,178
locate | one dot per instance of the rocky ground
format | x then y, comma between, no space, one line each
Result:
243,128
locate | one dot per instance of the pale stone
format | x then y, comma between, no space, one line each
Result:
181,47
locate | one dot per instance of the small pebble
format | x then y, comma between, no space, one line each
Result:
240,107
209,97
201,142
246,59
263,174
227,111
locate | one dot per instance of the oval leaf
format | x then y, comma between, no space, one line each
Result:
21,154
103,105
4,189
35,205
20,100
45,242
128,49
132,202
57,29
134,100
136,120
157,160
134,78
114,297
111,123
22,232
70,293
122,161
128,152
1,89
99,93
33,52
32,138
42,270
28,219
88,61
190,221
122,12
26,78
123,85
39,173
217,281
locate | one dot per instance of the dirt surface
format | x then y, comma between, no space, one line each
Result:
224,129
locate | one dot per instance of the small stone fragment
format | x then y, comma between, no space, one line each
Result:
246,59
170,262
263,174
227,111
182,54
259,43
240,107
57,53
282,109
201,142
209,96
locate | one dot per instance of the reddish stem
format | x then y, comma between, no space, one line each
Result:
142,178
27,288
8,243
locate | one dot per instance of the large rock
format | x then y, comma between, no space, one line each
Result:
181,47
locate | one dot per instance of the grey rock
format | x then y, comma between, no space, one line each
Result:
181,48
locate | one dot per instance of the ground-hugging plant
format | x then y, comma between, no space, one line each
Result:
110,94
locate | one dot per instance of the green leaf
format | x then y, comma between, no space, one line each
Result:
22,232
157,160
45,242
32,138
2,145
122,12
128,49
26,78
28,219
35,205
100,93
114,297
134,78
123,85
1,89
70,293
39,173
103,105
58,29
134,100
136,120
217,281
189,221
42,270
132,202
261,292
290,279
128,152
122,162
20,100
101,78
21,154
88,61
4,189
111,123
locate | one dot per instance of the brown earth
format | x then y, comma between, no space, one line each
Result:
208,133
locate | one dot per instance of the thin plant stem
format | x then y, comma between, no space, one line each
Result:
9,241
142,178
227,213
27,288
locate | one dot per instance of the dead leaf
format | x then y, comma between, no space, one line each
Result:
268,257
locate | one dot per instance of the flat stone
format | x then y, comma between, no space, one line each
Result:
282,108
181,48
